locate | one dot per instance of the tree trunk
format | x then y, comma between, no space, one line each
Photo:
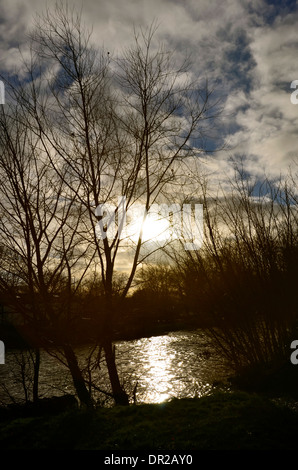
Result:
36,363
120,396
77,377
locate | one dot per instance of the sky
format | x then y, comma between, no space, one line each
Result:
246,48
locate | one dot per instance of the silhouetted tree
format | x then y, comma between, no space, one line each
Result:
114,131
241,281
39,238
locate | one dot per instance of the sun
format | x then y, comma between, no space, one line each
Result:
154,229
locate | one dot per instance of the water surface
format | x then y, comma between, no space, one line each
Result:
155,369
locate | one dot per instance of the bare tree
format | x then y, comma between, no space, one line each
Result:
241,281
115,132
39,241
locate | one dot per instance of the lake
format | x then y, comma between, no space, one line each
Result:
180,364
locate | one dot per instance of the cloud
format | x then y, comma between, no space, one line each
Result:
246,48
265,117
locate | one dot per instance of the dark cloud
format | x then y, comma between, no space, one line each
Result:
237,63
278,8
246,48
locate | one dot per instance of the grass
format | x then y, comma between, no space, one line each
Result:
222,421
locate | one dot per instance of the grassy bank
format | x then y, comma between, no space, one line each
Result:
237,420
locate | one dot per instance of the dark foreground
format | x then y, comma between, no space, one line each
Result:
222,421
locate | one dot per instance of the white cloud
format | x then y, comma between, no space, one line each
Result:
253,61
268,124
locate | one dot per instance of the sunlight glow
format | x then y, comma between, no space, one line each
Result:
154,229
160,380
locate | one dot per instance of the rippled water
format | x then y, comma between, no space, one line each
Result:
158,368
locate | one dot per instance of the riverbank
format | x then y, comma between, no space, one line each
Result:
221,421
17,338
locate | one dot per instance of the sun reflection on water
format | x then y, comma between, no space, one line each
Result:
159,377
176,365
